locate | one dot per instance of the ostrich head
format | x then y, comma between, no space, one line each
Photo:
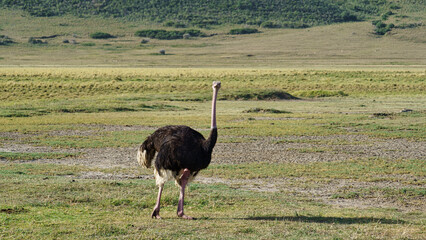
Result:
216,85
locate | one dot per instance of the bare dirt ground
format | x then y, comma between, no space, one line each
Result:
294,149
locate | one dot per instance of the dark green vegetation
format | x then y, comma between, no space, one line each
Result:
238,31
203,13
382,28
101,35
5,40
33,40
169,35
259,94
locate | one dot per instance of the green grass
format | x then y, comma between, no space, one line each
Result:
370,170
68,97
401,194
49,205
100,140
34,156
87,108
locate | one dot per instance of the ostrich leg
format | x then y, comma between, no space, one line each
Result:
183,182
156,212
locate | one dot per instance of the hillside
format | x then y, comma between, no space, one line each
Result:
203,13
65,37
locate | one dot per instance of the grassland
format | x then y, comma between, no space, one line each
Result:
345,45
346,166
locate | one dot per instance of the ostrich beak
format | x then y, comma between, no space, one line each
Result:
216,84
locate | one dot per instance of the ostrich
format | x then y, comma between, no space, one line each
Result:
181,153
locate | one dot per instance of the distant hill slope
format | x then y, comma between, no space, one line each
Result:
202,13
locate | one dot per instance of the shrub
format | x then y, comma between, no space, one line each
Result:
238,31
33,40
5,40
168,35
174,24
294,25
382,28
169,23
204,23
386,15
101,35
270,24
348,17
258,95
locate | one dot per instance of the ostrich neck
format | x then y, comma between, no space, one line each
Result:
213,125
211,141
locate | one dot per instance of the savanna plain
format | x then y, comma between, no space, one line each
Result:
319,139
346,162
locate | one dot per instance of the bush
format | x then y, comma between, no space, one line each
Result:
33,40
258,95
101,35
386,15
238,31
174,24
382,28
203,22
348,17
270,24
5,40
168,35
294,25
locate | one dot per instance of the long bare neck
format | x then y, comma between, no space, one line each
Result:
211,141
213,125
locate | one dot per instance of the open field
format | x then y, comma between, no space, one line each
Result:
346,160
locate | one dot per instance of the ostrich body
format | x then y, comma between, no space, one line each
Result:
181,153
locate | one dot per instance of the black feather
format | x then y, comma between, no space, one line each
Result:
181,147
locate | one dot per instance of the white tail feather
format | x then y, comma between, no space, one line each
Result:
142,159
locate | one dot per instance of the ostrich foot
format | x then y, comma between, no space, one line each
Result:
183,216
156,214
